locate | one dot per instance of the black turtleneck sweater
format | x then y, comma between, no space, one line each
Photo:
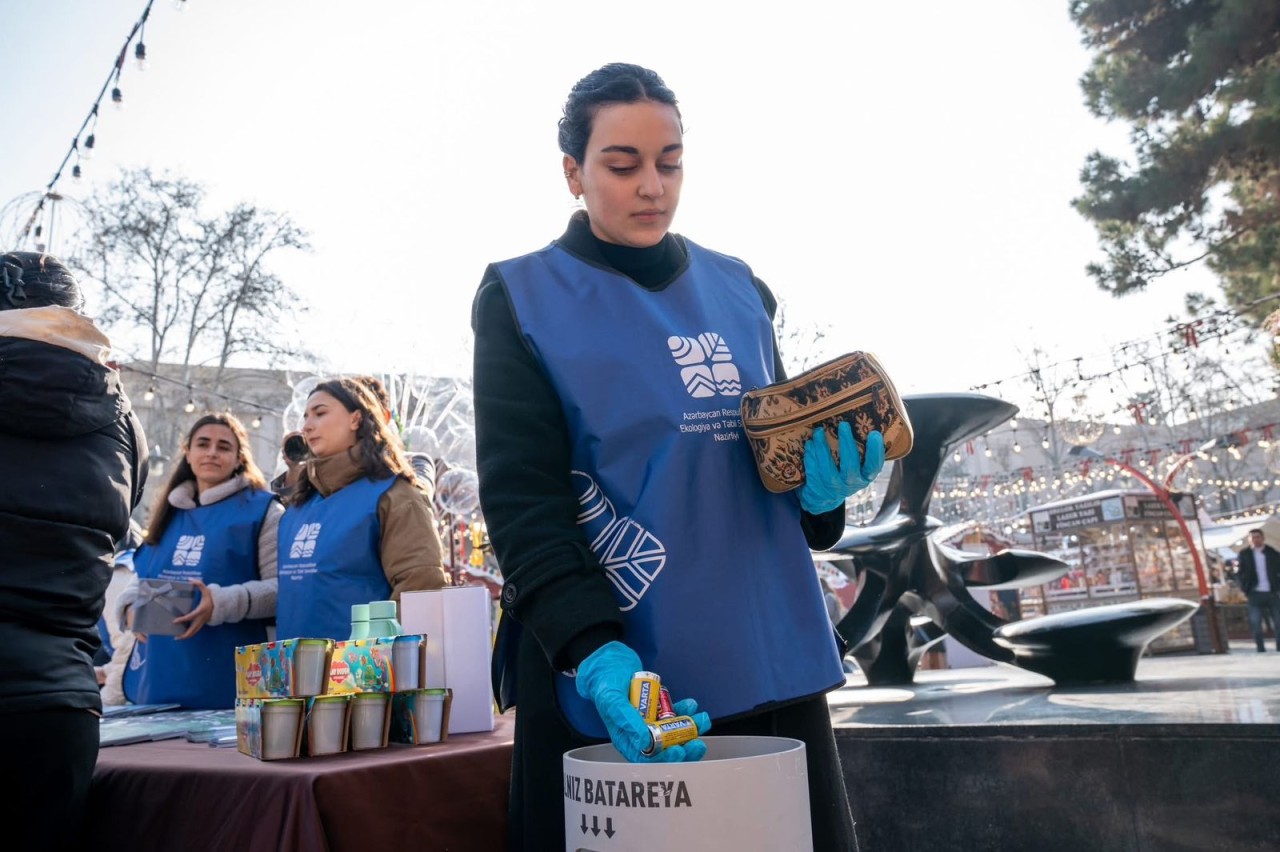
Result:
553,583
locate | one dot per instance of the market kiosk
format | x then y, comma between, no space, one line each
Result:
1121,546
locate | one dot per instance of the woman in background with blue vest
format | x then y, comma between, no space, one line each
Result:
214,525
628,518
359,527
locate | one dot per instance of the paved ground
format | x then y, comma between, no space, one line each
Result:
1242,687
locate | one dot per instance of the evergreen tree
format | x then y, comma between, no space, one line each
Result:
1199,81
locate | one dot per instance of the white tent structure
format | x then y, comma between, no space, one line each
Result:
1227,539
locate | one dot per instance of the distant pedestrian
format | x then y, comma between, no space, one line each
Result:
1259,578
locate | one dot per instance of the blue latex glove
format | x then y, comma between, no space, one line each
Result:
604,678
826,486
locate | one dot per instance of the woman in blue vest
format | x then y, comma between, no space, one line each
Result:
628,518
359,527
214,525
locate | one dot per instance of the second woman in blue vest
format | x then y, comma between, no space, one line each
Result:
214,525
359,527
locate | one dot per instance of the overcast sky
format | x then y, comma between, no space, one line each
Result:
898,173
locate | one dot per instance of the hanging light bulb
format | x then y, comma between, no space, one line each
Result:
150,394
1017,448
1116,428
117,97
190,406
75,172
1044,442
86,147
1013,423
257,421
140,56
956,455
986,451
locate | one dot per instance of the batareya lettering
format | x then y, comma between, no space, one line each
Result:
627,794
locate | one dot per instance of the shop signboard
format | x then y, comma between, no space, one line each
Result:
1086,513
1142,507
1109,509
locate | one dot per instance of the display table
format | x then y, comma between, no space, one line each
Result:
174,794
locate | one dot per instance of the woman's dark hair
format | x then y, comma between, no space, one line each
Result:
162,511
32,279
377,452
615,83
379,391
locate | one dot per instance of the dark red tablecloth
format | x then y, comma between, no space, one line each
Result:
175,795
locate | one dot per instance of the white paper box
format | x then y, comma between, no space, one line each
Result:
459,643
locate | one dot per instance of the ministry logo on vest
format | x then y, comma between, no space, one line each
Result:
304,543
189,550
707,366
632,557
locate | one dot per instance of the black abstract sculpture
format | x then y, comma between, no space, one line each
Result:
905,576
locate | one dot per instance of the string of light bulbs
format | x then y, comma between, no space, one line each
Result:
1189,330
194,389
1041,395
85,139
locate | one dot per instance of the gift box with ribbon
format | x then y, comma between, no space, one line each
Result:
159,602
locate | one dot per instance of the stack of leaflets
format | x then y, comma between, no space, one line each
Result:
138,723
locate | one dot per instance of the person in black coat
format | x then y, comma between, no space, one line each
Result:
1259,577
72,468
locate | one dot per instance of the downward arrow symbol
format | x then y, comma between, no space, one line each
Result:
584,823
608,828
595,825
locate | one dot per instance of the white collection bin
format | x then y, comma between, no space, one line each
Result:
749,794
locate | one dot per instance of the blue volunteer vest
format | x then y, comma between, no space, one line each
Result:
329,560
711,571
215,544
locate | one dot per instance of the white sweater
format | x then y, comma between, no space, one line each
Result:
250,599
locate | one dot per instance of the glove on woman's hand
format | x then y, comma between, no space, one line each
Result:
826,486
605,679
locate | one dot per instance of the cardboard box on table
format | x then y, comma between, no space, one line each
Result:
266,670
353,723
368,665
418,664
344,738
404,725
361,665
266,678
458,622
255,726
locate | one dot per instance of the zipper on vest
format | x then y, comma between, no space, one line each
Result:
770,425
